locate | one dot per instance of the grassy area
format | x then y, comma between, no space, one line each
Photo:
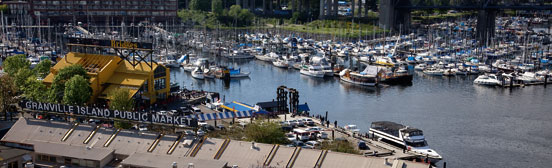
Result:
339,146
334,27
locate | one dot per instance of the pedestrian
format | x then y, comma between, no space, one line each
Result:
335,123
327,123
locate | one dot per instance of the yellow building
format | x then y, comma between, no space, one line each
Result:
109,72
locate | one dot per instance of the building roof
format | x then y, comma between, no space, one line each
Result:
128,79
268,104
9,152
237,106
46,137
81,152
152,160
113,87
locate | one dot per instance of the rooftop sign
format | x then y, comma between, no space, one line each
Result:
109,43
99,112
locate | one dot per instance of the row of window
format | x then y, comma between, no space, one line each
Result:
68,161
134,2
80,7
105,13
159,84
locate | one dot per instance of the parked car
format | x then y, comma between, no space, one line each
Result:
189,133
200,132
322,135
287,128
297,143
314,129
291,137
312,144
293,123
308,121
142,127
362,145
300,123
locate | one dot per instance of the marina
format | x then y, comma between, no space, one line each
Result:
435,94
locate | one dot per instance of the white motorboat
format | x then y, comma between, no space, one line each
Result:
420,67
434,71
189,67
240,54
280,63
449,72
411,139
208,73
487,80
314,71
198,73
368,77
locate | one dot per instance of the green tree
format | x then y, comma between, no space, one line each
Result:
21,77
43,68
8,93
56,92
265,132
14,63
234,11
120,99
77,91
203,5
216,7
4,8
35,90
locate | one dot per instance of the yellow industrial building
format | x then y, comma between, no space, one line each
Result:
146,83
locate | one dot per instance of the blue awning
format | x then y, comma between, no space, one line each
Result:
303,107
222,115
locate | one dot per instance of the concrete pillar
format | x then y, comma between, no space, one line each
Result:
366,7
253,5
322,12
270,7
238,2
360,8
336,8
353,8
264,7
485,24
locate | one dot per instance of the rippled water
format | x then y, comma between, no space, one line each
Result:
469,125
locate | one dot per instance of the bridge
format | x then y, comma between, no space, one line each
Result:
395,14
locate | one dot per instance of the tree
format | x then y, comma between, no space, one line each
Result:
43,68
265,132
203,5
35,90
121,100
14,63
4,8
77,91
21,77
216,7
8,93
234,11
56,92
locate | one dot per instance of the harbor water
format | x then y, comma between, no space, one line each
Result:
469,125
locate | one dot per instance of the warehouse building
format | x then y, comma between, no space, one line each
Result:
147,83
59,143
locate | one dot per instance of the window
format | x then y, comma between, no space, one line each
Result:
159,72
159,83
46,158
13,164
